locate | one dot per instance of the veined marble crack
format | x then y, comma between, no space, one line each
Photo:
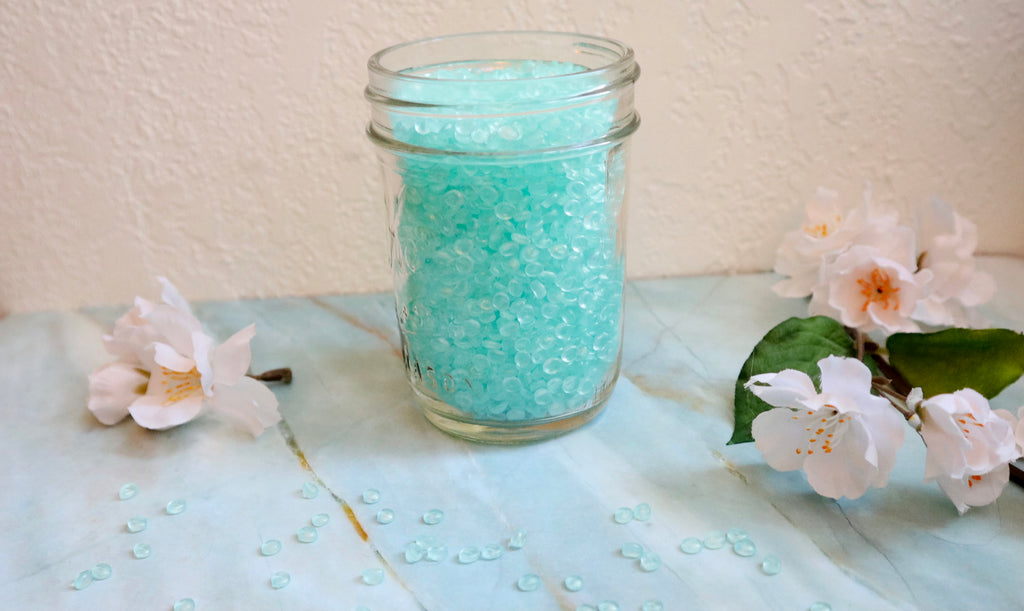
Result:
289,438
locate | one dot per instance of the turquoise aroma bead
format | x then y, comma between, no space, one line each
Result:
175,506
309,490
433,517
307,534
745,548
623,515
371,496
270,547
320,519
469,555
280,579
491,551
691,545
649,561
771,565
607,605
735,534
142,550
373,577
185,604
385,516
518,539
137,524
127,491
820,606
414,552
652,605
82,581
714,539
101,571
437,553
632,550
642,512
574,583
528,582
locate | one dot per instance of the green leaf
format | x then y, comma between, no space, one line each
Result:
797,343
987,360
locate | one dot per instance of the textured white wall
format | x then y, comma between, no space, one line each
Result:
220,142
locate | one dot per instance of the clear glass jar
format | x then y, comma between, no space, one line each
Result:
504,159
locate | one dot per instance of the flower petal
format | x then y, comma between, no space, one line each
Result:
174,327
172,297
778,433
788,388
975,490
153,412
248,405
202,348
166,356
112,388
231,359
844,376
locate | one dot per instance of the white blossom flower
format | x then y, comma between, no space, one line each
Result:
867,290
826,232
169,372
975,490
969,444
947,242
844,438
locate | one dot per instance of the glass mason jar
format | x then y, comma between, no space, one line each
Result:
504,159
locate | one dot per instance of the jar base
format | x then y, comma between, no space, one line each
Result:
498,432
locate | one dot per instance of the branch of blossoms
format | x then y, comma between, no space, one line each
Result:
169,371
865,273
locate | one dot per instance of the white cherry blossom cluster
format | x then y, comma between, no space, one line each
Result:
846,439
865,269
169,371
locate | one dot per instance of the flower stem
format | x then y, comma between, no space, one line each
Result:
282,375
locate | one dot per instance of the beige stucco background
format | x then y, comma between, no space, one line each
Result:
220,142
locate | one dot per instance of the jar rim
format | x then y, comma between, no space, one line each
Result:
620,57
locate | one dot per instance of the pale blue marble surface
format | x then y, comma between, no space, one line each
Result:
349,425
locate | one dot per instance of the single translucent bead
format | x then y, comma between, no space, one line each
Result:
373,577
432,517
714,539
735,534
175,506
414,552
745,548
309,490
128,491
652,605
279,580
142,550
371,496
607,605
649,561
307,534
691,545
437,553
771,565
101,571
820,606
469,555
82,581
623,515
642,512
528,582
270,547
574,583
320,519
137,524
491,551
186,604
385,516
518,539
632,550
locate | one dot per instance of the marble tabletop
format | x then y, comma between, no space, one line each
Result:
350,425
